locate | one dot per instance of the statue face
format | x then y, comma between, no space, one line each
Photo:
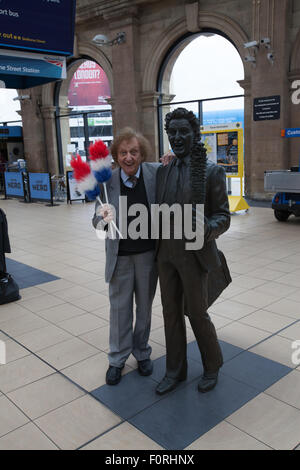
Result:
181,136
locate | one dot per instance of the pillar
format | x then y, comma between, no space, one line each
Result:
268,150
126,71
48,115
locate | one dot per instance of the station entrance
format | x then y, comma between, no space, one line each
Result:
84,114
208,66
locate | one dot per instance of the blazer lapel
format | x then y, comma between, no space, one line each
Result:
114,191
149,180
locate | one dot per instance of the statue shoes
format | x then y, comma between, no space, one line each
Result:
208,381
168,384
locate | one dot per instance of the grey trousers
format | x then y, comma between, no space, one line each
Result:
135,276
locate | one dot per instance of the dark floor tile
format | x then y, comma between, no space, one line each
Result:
130,396
176,420
27,276
255,370
228,396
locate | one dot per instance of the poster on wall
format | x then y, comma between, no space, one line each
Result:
227,151
225,147
89,86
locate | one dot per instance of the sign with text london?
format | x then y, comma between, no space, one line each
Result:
38,25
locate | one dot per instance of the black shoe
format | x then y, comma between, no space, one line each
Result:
113,375
208,381
167,384
145,367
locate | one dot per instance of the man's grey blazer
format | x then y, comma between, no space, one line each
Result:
113,192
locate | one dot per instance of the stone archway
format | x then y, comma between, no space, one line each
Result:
86,51
55,97
206,21
169,45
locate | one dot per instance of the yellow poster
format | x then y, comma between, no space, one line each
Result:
228,149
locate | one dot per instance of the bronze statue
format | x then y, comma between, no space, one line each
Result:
191,280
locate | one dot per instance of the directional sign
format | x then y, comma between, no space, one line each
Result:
292,132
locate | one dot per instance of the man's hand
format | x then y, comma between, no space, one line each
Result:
167,158
106,213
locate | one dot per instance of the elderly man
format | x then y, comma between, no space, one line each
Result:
185,275
130,267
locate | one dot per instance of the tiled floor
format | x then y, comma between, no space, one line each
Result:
52,388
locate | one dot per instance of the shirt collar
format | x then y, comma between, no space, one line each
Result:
126,177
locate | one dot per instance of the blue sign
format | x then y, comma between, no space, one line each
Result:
36,66
22,66
40,186
293,132
14,185
10,131
38,25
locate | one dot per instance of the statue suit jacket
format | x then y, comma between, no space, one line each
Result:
217,221
113,192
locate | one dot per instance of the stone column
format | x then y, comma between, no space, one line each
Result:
269,151
246,85
65,132
111,101
149,126
126,71
294,143
34,135
166,99
48,114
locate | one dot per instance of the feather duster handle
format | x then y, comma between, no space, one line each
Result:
100,162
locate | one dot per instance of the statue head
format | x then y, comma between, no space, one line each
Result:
183,131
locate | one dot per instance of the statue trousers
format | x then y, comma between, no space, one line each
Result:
184,290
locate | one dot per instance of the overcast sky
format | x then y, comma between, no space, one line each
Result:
206,68
8,107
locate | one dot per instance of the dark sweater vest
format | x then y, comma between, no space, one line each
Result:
136,195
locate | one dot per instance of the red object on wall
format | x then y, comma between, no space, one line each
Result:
89,86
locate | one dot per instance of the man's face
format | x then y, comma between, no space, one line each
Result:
129,156
181,136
